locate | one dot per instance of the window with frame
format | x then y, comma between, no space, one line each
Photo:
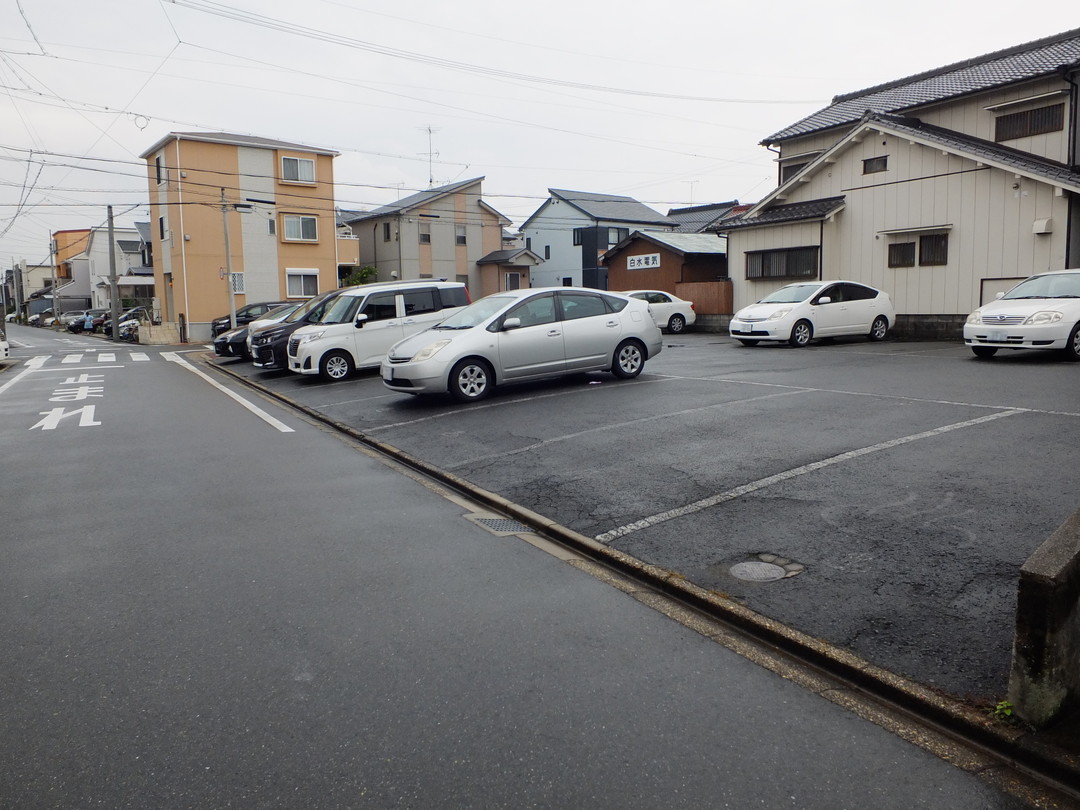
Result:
460,235
934,249
547,252
789,170
271,226
380,306
386,231
875,164
417,302
301,283
799,262
577,235
534,312
425,233
902,254
297,170
1029,122
299,228
159,169
238,286
512,281
163,229
616,235
581,305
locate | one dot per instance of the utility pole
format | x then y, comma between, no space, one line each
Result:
52,289
228,260
114,289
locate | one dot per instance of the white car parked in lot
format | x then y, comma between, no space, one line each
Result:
1041,312
671,312
521,335
801,312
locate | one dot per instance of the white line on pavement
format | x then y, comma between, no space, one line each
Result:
173,357
787,475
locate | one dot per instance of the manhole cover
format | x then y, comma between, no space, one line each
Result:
504,525
758,571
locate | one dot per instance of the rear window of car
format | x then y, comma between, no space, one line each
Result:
453,297
418,302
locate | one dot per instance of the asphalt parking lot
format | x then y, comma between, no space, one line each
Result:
900,486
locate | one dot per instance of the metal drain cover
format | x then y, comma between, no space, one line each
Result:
758,571
507,525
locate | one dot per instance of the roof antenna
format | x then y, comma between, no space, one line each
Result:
430,155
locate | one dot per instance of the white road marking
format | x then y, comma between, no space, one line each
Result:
173,357
139,357
72,358
106,357
787,475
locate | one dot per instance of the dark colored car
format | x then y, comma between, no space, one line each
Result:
269,343
234,342
79,324
245,315
139,313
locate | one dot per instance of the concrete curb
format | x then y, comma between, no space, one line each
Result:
949,715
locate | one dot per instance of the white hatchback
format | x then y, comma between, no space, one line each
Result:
801,312
1041,312
671,312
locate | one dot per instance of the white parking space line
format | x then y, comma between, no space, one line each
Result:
787,475
620,426
174,357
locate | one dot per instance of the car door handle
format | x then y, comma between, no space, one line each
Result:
553,333
611,324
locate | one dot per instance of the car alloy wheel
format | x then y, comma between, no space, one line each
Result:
629,360
801,333
677,324
878,328
335,366
470,380
1072,347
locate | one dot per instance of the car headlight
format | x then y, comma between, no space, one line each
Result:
975,317
430,351
310,336
1042,318
780,313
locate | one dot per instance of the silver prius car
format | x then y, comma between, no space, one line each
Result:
521,335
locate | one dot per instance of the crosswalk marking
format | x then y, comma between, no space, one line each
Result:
139,356
106,357
72,358
94,356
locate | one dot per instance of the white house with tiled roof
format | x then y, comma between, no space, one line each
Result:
573,229
941,188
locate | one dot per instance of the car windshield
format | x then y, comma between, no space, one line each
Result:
307,306
1064,285
792,294
342,309
477,312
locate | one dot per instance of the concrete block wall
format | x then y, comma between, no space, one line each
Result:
1045,675
163,334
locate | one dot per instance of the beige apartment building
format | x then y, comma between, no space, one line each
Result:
271,201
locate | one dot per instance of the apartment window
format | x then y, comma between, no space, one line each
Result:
789,263
386,231
301,283
301,228
1029,122
616,235
577,235
875,164
238,286
934,249
459,235
425,233
159,169
528,243
297,170
163,229
547,251
902,254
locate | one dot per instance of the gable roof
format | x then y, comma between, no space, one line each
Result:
606,208
780,214
681,243
697,218
510,257
406,204
1031,60
232,139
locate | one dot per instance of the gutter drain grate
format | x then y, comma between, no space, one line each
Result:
504,525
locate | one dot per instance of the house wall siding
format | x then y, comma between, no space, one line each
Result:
259,253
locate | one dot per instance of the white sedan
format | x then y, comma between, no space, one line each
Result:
670,311
1041,312
801,312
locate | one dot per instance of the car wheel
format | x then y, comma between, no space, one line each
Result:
335,366
471,380
677,324
984,351
1072,347
879,327
801,333
745,342
628,361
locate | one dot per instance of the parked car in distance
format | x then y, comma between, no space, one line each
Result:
671,312
79,325
805,310
244,315
38,318
234,343
522,335
269,343
5,350
1041,312
358,328
134,313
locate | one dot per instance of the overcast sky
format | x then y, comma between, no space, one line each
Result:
664,103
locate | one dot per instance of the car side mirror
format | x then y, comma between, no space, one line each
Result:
511,323
1000,295
361,319
824,300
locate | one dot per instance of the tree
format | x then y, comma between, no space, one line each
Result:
361,275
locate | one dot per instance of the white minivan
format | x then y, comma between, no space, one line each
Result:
363,322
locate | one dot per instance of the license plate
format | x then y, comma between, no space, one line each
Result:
996,337
388,373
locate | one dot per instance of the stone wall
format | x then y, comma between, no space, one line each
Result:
1045,676
162,334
